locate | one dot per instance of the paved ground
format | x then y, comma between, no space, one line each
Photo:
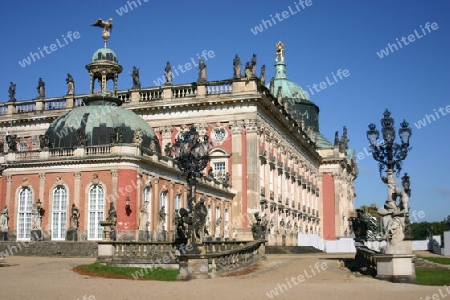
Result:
52,278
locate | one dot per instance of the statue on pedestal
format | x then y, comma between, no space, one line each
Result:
200,214
217,233
258,231
236,67
12,92
112,215
74,217
4,217
162,219
143,217
201,71
70,85
168,73
36,216
135,76
41,88
395,214
262,77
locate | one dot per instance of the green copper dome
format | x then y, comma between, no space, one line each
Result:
98,124
289,89
105,54
302,108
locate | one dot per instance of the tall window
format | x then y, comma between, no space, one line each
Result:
96,211
178,201
24,213
163,203
59,213
219,170
147,194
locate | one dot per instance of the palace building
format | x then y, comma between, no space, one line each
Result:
114,146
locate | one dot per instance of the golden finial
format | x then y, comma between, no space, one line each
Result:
279,56
107,28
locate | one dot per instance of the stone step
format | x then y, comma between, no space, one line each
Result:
291,250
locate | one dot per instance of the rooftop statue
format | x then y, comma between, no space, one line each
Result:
168,73
107,28
136,80
237,67
70,85
279,56
201,71
12,92
41,88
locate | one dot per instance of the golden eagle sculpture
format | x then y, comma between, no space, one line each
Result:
107,28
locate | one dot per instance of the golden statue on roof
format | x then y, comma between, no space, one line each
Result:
107,28
279,56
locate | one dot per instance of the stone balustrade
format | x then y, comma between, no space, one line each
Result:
216,257
136,253
365,260
241,256
184,91
219,87
211,88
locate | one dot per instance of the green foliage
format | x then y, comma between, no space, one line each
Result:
421,231
100,270
439,260
433,277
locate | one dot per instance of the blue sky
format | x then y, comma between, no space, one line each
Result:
322,38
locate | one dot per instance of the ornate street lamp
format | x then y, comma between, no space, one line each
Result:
191,156
389,156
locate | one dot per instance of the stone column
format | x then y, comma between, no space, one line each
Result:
76,188
236,169
155,207
252,162
8,196
114,183
42,187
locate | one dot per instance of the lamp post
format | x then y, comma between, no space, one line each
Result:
389,156
191,155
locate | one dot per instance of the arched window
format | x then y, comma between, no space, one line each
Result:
178,201
24,213
163,206
96,211
146,194
59,213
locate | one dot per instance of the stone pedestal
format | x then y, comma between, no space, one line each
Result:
36,235
3,236
193,268
395,267
72,235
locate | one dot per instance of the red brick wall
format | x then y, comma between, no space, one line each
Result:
329,211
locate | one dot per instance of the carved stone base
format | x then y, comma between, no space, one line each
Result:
72,235
36,235
395,268
3,235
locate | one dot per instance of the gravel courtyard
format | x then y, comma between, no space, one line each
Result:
323,278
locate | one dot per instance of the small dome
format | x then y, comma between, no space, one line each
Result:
104,54
97,122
